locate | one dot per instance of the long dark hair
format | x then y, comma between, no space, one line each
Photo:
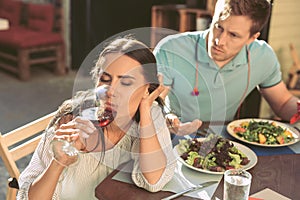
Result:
139,52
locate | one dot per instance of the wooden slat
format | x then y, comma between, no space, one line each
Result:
8,160
11,194
25,149
27,130
9,67
44,48
43,60
8,56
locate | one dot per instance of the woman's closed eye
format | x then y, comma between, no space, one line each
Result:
105,78
124,80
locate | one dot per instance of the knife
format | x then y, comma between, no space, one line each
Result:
197,187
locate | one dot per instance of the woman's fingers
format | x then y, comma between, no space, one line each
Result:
166,89
75,139
156,93
78,125
66,131
76,131
85,125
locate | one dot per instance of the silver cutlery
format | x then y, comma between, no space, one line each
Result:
191,189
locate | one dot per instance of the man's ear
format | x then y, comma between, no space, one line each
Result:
253,37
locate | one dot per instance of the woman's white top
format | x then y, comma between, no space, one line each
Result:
79,180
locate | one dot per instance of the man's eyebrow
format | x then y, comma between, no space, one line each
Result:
235,33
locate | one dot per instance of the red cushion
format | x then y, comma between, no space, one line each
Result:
40,17
11,10
20,37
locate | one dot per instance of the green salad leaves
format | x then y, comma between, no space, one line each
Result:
263,132
214,154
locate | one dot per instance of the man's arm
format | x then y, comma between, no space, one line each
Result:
282,102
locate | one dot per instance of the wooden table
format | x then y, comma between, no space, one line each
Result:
280,173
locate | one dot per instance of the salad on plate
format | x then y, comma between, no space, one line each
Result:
263,132
214,153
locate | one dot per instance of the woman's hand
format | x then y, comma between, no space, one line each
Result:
148,100
75,132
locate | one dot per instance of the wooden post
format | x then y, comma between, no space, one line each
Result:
23,64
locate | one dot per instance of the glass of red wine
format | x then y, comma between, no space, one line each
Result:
92,107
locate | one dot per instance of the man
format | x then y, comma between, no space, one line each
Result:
210,73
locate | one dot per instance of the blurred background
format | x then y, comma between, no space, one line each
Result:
87,23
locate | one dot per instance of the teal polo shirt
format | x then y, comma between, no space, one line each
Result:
220,89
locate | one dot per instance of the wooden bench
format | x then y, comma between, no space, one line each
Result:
34,37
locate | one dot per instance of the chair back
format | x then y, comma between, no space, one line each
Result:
19,143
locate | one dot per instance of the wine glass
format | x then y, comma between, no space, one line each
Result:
92,107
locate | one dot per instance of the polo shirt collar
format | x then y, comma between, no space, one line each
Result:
202,49
238,60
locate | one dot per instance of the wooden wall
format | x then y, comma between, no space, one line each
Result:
284,29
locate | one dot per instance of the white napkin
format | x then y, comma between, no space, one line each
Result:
268,194
185,178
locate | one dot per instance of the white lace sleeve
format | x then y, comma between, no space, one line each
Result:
166,144
40,160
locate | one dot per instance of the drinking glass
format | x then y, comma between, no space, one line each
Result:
237,184
92,107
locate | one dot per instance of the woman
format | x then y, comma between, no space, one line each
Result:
138,132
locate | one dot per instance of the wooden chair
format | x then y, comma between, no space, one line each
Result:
19,143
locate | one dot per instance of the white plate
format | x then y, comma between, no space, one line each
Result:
236,123
248,152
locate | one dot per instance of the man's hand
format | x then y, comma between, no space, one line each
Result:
181,129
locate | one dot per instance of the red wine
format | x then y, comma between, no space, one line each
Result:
105,119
